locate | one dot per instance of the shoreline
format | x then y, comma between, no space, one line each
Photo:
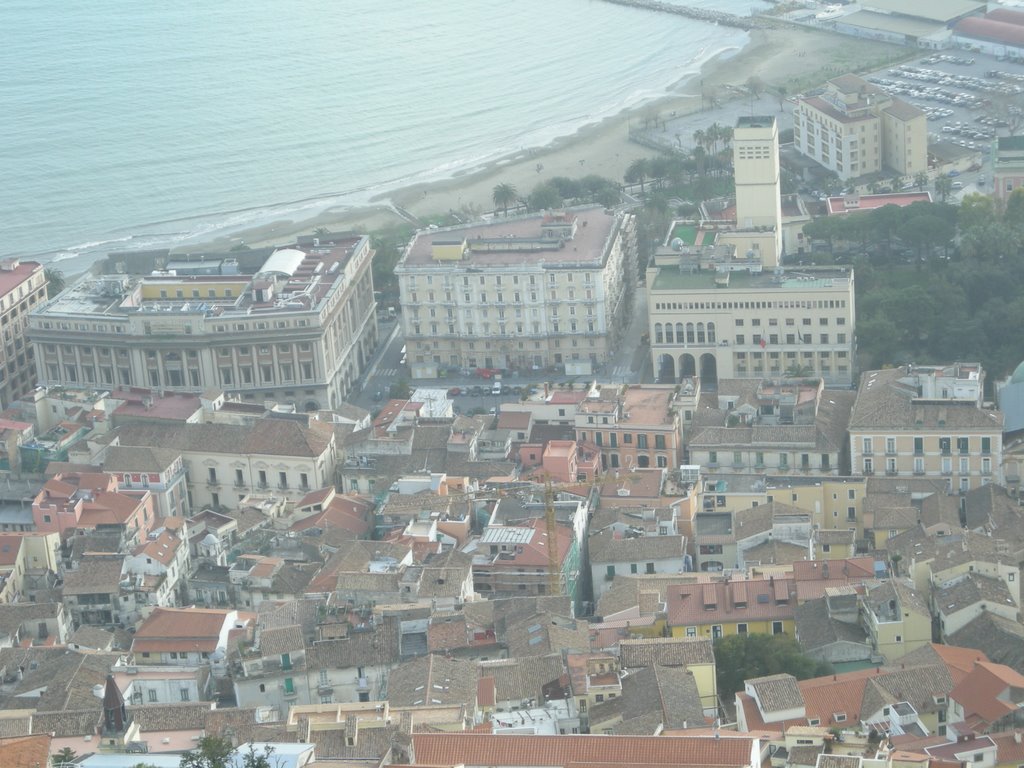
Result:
792,57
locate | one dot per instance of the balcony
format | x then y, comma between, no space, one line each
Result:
212,482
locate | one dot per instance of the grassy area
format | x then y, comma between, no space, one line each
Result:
685,232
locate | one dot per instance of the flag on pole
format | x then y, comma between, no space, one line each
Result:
763,343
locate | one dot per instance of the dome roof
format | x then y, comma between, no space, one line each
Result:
1018,375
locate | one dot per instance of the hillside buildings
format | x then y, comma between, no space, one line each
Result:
22,287
855,128
297,326
542,290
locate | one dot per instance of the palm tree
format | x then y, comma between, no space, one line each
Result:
54,281
921,180
797,371
944,187
700,138
504,195
64,756
637,172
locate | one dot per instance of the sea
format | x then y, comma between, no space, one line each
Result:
135,125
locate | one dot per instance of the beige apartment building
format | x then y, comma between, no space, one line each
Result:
721,322
524,293
634,426
22,287
855,128
927,421
296,326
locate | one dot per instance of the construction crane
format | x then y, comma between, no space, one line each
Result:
551,525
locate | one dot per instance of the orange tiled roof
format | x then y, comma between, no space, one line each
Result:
517,750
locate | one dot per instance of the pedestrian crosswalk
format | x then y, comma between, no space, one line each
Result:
386,373
621,371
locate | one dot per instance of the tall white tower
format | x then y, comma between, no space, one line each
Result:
755,148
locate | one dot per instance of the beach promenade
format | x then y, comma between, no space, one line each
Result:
789,57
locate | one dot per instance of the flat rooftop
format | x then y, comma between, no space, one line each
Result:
312,273
518,241
672,278
838,204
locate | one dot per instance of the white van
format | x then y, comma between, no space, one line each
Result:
496,388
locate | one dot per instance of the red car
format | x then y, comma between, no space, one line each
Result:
454,391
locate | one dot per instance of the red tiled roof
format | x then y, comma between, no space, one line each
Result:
991,29
978,693
176,629
519,750
837,205
691,604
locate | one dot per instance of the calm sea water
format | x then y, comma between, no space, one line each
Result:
135,125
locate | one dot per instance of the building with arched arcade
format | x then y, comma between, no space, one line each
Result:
713,322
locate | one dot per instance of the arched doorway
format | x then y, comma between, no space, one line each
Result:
708,371
666,369
687,366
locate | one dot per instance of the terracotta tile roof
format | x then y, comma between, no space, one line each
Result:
274,642
776,693
609,547
981,691
517,750
180,629
171,717
991,635
666,651
68,722
25,751
95,574
713,602
264,437
523,679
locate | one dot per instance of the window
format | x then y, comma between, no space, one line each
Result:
184,694
899,638
741,629
986,445
152,695
776,627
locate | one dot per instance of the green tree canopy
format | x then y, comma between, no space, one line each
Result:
504,195
741,657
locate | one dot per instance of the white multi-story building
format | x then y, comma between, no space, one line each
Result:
526,293
748,323
22,287
296,327
855,128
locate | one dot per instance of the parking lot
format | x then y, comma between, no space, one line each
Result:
968,98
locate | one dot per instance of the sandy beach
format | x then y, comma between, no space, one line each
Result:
791,58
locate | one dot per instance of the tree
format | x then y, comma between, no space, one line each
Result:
921,180
797,371
943,187
54,281
894,560
544,197
321,231
65,755
637,173
741,657
212,752
216,752
780,91
400,390
504,195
